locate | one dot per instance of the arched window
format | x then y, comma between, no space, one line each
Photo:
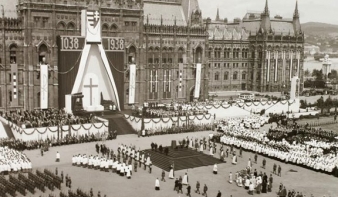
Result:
61,28
114,30
244,75
12,53
43,51
164,55
226,75
157,55
226,53
105,29
70,28
180,55
216,76
198,55
209,53
217,53
235,75
170,55
131,55
150,55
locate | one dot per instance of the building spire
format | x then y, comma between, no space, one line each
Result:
217,15
296,13
266,9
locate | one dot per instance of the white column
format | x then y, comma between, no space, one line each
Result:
268,69
291,58
43,86
132,83
298,63
283,70
276,65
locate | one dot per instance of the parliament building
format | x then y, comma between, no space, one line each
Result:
174,49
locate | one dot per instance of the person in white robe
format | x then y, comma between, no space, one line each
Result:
211,151
122,170
185,179
230,178
249,163
73,160
57,157
191,144
157,184
148,161
239,181
201,148
171,172
128,173
215,168
130,167
234,160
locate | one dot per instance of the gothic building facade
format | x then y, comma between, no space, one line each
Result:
166,40
256,53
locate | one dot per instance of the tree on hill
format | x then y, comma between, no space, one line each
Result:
318,74
321,104
307,73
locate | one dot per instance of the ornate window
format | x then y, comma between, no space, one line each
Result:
235,74
226,75
216,76
244,75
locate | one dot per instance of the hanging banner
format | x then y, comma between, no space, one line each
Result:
198,81
14,70
298,63
291,64
132,83
268,69
180,91
44,86
276,66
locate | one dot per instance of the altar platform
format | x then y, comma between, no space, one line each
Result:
184,158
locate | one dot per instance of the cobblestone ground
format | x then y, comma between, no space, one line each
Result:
142,183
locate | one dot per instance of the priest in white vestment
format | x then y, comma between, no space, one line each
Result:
215,169
157,184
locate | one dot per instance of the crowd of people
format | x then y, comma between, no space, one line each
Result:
248,122
176,129
306,153
120,162
51,142
173,109
44,118
13,161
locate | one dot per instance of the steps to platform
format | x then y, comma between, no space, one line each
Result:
6,131
119,123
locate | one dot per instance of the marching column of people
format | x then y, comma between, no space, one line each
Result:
126,160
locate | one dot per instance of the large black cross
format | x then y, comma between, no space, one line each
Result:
91,86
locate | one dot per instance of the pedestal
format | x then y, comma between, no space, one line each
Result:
173,144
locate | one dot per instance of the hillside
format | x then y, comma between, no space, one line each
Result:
319,29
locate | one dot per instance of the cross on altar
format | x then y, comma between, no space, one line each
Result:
91,86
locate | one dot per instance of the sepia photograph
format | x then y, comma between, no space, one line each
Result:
168,98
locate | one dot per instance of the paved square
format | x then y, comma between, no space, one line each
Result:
142,182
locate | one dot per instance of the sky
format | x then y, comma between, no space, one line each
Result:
325,11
